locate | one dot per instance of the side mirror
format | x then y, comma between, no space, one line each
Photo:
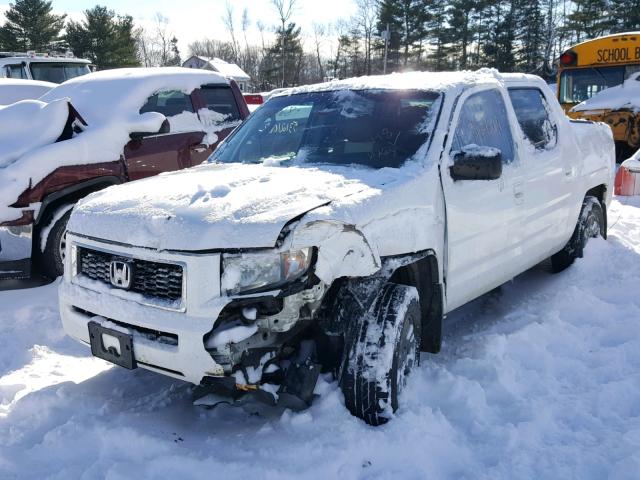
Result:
164,128
477,163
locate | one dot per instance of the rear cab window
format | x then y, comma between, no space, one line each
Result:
534,117
169,103
220,100
483,122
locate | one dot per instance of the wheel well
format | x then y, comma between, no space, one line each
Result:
54,201
600,193
424,275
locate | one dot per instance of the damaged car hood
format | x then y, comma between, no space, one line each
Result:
214,206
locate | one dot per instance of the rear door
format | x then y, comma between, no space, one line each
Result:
546,198
169,151
480,213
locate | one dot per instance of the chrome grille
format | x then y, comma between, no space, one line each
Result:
152,279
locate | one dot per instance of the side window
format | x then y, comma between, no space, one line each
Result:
220,99
534,117
484,122
169,103
15,71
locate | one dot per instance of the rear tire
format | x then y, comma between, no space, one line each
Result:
590,225
51,260
381,349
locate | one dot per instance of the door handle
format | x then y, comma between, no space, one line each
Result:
518,192
198,148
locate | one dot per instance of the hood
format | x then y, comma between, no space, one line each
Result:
214,206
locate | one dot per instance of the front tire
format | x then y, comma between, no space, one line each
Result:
52,258
381,349
590,225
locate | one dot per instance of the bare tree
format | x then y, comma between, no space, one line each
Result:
227,19
285,11
157,48
319,34
366,21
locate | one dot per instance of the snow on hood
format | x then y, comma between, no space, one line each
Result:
214,206
625,96
13,90
109,101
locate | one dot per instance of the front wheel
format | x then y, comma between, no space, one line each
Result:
55,245
381,349
590,225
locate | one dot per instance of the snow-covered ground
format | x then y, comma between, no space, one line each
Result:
539,379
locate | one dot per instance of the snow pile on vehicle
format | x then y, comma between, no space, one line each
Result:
109,101
536,380
625,96
13,90
633,163
46,122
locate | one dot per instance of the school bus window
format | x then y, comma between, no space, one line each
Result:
578,85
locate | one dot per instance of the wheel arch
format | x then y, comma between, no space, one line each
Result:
71,194
600,192
421,271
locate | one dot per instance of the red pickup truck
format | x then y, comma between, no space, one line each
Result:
190,113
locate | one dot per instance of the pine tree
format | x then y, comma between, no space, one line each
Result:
499,47
271,68
626,15
30,25
439,34
530,36
462,28
590,19
103,37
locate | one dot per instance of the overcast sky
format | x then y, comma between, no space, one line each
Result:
194,19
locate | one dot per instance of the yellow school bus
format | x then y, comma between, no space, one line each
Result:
592,66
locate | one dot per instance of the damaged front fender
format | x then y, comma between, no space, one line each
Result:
343,251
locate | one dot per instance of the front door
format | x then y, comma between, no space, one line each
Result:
480,212
158,153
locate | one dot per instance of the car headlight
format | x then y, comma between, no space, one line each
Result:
252,271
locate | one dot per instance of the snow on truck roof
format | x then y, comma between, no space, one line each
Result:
437,81
13,90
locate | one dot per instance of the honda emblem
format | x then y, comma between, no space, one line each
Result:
120,274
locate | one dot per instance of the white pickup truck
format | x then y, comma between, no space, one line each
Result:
333,231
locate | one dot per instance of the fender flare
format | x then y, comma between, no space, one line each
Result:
73,190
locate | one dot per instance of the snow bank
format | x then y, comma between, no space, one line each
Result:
14,90
625,96
537,380
109,101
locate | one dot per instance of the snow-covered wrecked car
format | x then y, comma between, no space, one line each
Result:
332,232
98,130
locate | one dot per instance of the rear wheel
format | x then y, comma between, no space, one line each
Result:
381,349
590,225
52,258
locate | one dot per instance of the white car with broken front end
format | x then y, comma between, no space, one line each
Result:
332,232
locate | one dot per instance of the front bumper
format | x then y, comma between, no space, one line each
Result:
15,251
164,340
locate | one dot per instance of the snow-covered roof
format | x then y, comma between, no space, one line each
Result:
625,96
111,93
28,58
13,90
225,68
436,81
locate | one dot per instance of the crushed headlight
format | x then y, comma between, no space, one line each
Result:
252,271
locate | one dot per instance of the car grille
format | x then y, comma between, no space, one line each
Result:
158,280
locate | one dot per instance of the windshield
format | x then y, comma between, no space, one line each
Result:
57,72
578,85
376,128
